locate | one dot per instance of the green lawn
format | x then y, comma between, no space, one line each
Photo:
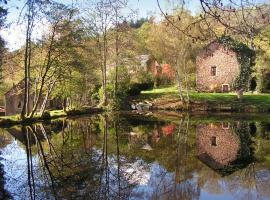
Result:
171,92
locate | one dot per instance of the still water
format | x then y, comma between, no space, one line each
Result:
128,156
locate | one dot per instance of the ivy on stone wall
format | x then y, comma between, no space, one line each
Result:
246,59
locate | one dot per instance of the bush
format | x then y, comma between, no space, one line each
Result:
7,122
46,115
146,86
134,89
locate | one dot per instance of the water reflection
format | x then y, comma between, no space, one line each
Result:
129,157
221,146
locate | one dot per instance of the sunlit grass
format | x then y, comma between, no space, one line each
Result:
163,90
172,92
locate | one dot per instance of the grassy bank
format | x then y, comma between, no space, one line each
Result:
167,98
7,121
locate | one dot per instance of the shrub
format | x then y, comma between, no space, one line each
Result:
134,89
46,115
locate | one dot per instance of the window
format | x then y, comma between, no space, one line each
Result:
213,71
214,141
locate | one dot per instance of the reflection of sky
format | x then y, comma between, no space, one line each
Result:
148,180
16,174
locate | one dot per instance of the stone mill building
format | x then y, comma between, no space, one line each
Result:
217,68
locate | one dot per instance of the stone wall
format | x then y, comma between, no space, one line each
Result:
227,68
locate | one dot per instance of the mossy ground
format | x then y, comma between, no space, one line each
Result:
7,121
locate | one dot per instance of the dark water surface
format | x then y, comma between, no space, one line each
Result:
124,156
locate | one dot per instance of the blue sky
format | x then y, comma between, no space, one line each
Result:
147,6
14,34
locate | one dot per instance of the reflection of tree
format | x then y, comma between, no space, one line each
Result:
3,193
91,158
181,185
4,141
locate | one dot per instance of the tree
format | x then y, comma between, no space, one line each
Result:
58,48
106,23
47,60
3,13
168,44
30,16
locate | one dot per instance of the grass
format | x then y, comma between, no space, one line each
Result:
57,113
7,121
251,100
208,97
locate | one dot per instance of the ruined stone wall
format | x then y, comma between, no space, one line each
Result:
227,69
224,151
13,104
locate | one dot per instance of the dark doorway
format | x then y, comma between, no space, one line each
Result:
252,128
253,84
225,88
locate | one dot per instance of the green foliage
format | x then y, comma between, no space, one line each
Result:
246,59
245,152
129,84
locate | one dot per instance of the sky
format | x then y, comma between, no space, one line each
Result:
14,33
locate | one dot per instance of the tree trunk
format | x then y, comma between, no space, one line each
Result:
116,52
105,99
240,94
179,82
27,61
186,80
47,68
43,107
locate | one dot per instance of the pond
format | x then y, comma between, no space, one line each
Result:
133,156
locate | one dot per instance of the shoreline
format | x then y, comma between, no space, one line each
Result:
9,121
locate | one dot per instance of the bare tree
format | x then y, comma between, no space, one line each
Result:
244,18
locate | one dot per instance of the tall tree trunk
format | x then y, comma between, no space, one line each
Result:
27,59
47,68
105,98
186,79
43,107
116,52
179,83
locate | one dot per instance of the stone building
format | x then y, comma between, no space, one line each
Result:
217,145
14,100
216,68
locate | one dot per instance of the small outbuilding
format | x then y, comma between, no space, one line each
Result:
15,96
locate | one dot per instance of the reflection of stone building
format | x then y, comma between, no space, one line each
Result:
217,145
